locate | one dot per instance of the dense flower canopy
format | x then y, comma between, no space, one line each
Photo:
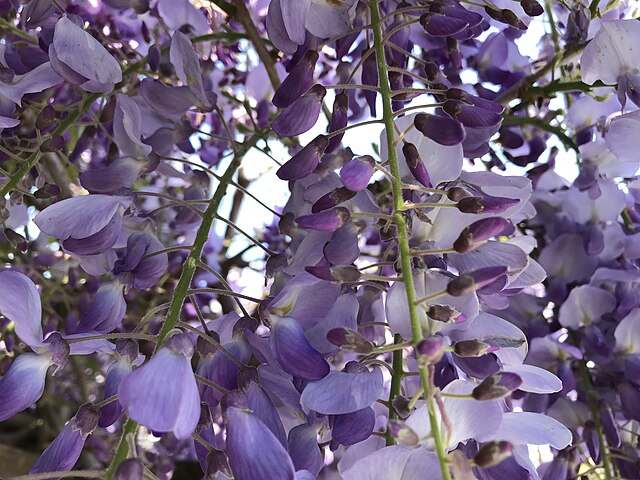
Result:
298,239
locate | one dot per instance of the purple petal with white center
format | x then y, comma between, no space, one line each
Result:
264,409
328,18
352,428
341,392
162,394
80,217
185,61
177,13
396,462
127,128
293,351
301,115
37,80
106,311
627,333
84,55
294,14
473,418
20,303
526,428
304,450
23,384
268,459
584,306
535,379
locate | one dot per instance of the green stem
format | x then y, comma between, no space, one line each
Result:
396,382
403,240
182,288
593,406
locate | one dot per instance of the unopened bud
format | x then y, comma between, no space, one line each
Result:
403,434
16,240
445,313
497,386
349,340
430,350
532,8
455,194
471,348
86,420
59,350
52,144
492,453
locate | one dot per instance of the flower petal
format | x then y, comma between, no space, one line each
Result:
23,384
20,303
526,428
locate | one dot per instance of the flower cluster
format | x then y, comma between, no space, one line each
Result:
433,294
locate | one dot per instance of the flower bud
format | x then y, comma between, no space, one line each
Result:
510,18
305,161
400,405
471,348
492,453
415,164
355,175
532,8
430,350
339,120
486,204
402,433
52,144
326,221
336,273
497,386
46,117
476,280
445,314
59,350
479,232
333,199
349,340
455,194
86,420
442,130
16,240
608,422
129,469
275,263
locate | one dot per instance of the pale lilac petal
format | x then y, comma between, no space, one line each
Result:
585,305
526,428
622,137
396,462
303,448
341,392
177,13
185,61
627,333
268,459
37,80
83,54
163,395
535,379
127,128
277,30
328,18
20,303
80,217
23,384
106,311
294,14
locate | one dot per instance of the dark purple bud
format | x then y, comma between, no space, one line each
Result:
293,351
532,8
326,221
432,71
153,58
443,130
349,340
471,348
452,107
86,420
52,144
299,80
332,199
46,117
402,433
354,427
475,280
129,469
479,232
497,386
355,175
301,115
370,77
608,422
339,119
16,240
486,204
510,18
305,161
430,350
275,263
590,436
401,406
415,164
335,273
494,13
48,190
493,453
456,194
445,314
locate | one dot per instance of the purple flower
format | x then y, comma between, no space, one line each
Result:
301,115
162,394
81,60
